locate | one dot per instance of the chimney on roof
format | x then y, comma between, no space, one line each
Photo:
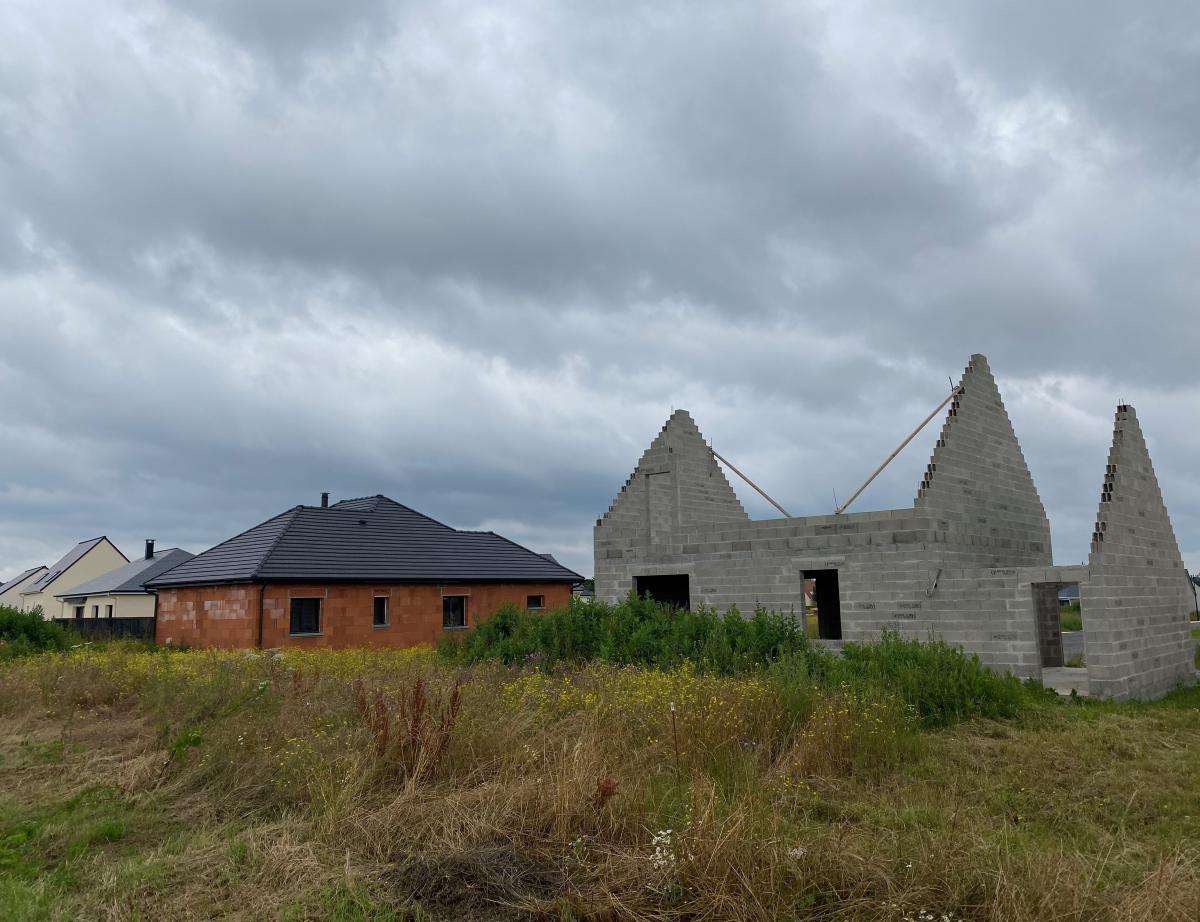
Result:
149,548
324,500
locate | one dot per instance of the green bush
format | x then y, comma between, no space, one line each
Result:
939,682
636,631
25,632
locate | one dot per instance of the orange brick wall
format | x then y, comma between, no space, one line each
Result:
227,616
208,616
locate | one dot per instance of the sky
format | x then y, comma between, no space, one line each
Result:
472,255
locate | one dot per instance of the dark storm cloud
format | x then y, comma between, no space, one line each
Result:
470,256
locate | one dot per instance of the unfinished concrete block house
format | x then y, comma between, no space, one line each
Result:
970,561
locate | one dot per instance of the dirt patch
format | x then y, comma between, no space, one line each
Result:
491,882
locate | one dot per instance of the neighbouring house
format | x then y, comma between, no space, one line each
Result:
85,561
122,593
1069,595
10,592
360,572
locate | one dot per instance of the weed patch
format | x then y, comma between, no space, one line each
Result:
889,784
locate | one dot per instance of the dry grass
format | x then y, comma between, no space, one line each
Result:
383,785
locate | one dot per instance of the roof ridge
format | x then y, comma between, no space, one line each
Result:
415,512
270,550
247,531
52,575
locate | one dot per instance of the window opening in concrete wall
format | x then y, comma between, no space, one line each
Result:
306,616
95,611
108,611
671,589
78,611
825,596
454,611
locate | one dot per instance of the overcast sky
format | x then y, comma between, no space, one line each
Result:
471,255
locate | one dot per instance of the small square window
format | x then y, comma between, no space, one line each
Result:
380,616
107,611
454,611
535,602
306,616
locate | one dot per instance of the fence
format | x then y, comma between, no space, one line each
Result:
109,628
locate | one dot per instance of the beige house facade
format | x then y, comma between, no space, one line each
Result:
87,560
10,592
120,593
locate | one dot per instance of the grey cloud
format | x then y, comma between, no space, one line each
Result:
472,255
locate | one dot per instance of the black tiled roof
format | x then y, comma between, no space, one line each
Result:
130,578
371,539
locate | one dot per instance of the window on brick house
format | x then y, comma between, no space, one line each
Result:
454,611
306,616
535,602
380,617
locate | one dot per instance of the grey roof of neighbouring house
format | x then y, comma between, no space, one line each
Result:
69,560
371,539
17,580
132,577
1070,592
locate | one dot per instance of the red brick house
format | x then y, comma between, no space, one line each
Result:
361,572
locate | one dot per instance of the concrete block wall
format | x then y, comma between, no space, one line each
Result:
970,562
1136,601
978,486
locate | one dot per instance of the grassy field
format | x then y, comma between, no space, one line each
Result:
400,785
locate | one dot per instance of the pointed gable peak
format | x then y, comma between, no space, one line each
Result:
978,362
699,491
978,474
1132,520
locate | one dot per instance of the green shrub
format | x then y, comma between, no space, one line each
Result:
636,631
25,632
939,682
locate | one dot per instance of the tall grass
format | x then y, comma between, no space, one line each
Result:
799,789
939,683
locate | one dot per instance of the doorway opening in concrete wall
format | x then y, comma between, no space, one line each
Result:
1059,624
827,599
671,589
